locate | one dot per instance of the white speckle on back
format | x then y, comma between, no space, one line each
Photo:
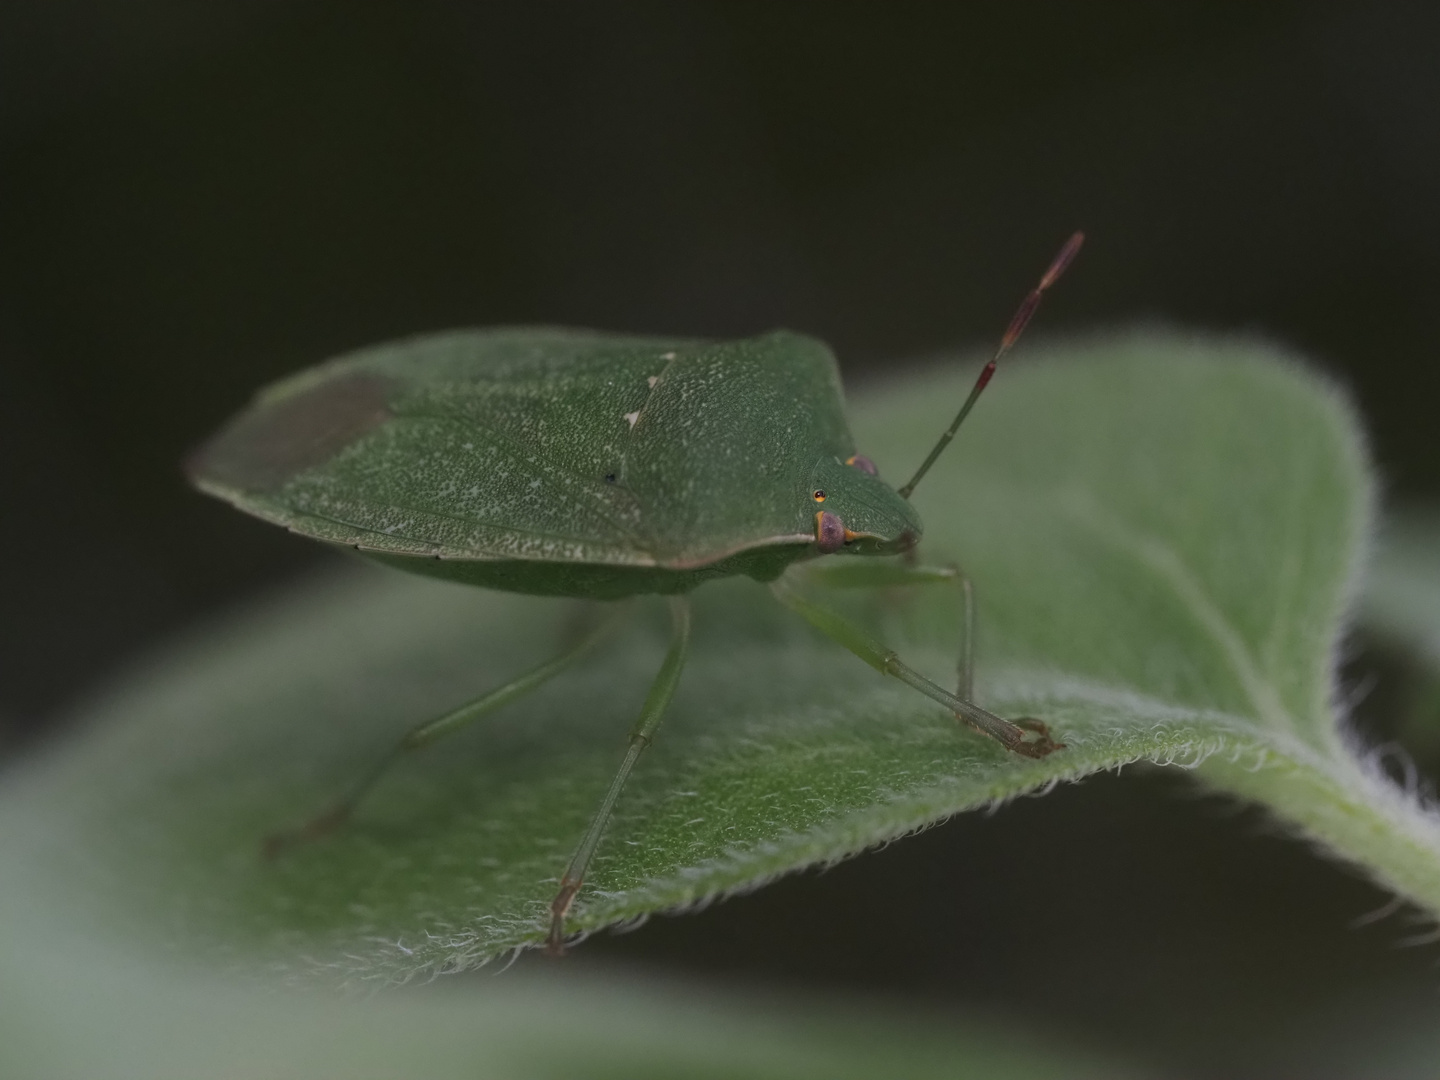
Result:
632,417
666,356
653,380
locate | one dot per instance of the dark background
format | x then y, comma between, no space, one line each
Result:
196,198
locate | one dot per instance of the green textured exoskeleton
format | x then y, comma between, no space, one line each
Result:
597,466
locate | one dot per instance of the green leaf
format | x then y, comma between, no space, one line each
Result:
1402,595
1164,534
1401,612
74,1011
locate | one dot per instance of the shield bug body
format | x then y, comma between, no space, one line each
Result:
596,466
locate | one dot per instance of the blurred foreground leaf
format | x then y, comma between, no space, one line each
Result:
69,1013
1164,534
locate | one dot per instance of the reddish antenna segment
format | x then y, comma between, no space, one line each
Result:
1012,335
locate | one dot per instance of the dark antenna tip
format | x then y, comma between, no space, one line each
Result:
1018,322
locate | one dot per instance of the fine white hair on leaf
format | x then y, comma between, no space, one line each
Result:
1384,911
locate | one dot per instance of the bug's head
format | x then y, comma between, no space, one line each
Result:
856,512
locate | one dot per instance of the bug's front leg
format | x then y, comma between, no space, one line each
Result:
641,735
862,574
1014,735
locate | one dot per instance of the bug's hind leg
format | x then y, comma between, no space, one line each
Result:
1026,736
423,734
641,735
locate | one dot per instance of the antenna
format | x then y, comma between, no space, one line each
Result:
1012,335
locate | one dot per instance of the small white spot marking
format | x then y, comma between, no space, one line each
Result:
632,417
653,380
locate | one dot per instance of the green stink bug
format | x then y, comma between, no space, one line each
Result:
596,466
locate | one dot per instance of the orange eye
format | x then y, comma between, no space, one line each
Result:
819,495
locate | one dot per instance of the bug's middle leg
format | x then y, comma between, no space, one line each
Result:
641,735
1015,736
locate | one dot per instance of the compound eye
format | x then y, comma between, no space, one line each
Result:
818,495
863,463
829,532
